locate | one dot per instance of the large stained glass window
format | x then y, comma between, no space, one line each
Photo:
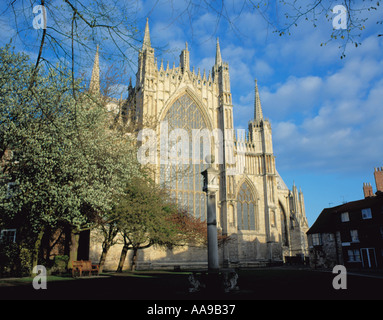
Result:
183,176
246,208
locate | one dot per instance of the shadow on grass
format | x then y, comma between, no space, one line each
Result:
259,284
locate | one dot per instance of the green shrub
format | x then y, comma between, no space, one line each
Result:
60,265
25,260
15,260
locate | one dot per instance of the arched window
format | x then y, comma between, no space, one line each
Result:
183,178
246,208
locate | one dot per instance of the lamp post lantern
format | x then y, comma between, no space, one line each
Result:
216,279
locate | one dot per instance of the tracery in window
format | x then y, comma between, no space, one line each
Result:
246,208
183,178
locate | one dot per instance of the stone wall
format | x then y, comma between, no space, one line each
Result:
328,254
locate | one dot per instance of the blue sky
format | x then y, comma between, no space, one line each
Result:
326,112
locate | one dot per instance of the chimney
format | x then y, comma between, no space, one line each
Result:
367,190
379,179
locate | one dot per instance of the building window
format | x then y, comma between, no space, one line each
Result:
345,217
11,188
317,239
366,214
354,235
273,219
182,176
353,255
368,258
246,208
8,236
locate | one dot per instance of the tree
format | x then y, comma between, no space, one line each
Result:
68,164
109,232
74,28
283,16
68,31
147,218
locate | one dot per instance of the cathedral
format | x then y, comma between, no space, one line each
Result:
264,220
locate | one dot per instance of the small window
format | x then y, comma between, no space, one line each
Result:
345,217
366,214
8,235
11,188
317,239
353,255
354,235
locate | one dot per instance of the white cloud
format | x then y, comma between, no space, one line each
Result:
342,136
330,121
263,69
205,64
325,112
295,95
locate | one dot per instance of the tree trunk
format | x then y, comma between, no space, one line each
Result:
75,236
36,249
124,252
110,232
105,249
68,235
134,259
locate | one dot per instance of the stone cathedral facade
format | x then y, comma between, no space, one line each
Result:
263,218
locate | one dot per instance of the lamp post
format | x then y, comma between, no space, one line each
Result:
217,279
210,187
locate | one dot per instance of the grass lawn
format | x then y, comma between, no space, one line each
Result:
258,284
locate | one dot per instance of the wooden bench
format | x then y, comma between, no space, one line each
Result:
84,266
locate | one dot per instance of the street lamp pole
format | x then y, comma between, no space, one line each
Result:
211,187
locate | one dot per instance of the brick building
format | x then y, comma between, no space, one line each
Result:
350,234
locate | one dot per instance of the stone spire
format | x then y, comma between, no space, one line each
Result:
94,86
218,57
146,44
302,203
258,114
184,59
